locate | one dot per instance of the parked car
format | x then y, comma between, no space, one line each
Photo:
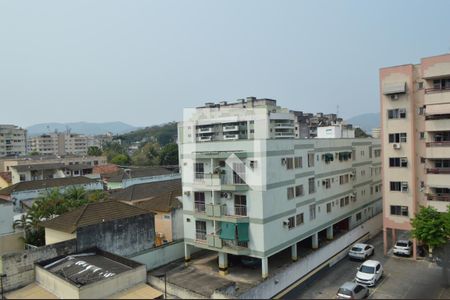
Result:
369,273
403,247
352,290
361,251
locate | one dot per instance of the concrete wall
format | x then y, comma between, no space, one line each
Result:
115,284
6,217
159,256
174,289
282,279
55,284
11,242
129,182
121,237
54,236
19,266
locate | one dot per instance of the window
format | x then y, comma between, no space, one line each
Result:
421,110
289,163
442,163
291,223
199,201
422,135
420,85
327,183
358,216
311,187
399,210
240,205
22,177
238,173
199,170
399,186
290,193
343,179
344,201
398,162
299,219
398,113
397,137
312,212
422,160
310,160
298,162
329,207
299,190
371,190
200,230
377,152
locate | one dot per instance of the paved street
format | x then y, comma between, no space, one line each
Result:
403,279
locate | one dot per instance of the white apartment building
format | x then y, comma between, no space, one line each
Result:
13,141
250,188
62,143
415,135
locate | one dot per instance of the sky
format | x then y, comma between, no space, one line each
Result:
142,62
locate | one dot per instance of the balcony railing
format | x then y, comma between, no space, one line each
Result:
235,244
438,197
200,235
205,130
438,171
438,144
200,206
437,90
230,128
240,210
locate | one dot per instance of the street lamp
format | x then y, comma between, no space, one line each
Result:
1,284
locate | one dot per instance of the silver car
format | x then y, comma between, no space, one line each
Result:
403,247
361,251
352,290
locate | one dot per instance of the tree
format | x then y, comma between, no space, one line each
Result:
34,153
94,151
147,155
431,227
359,133
169,155
121,159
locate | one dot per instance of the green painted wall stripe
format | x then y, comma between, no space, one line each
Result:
334,197
333,173
362,143
362,184
305,146
305,174
306,202
280,184
331,149
274,217
362,163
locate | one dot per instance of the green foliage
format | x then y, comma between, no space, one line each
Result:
34,153
162,134
94,151
50,204
431,227
147,155
113,149
359,133
121,159
169,154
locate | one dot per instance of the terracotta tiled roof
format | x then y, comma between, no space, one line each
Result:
137,172
105,169
6,176
91,214
146,190
47,183
161,203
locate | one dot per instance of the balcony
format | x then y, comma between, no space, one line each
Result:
204,138
438,197
283,126
284,135
214,241
205,130
438,179
438,150
437,96
434,124
438,171
218,212
231,136
230,128
218,182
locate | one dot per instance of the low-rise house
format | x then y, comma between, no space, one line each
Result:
10,240
5,179
129,176
91,274
30,190
112,226
163,199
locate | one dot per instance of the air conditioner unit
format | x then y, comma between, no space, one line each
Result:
283,161
404,187
252,164
396,146
187,193
394,96
226,195
286,222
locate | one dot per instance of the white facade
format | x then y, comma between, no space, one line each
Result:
271,192
13,141
337,131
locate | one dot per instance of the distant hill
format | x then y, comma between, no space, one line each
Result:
366,121
163,134
81,127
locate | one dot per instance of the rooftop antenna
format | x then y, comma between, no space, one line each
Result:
337,110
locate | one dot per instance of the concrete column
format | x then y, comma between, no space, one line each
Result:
223,263
394,236
330,232
385,245
414,249
294,252
315,240
264,267
187,253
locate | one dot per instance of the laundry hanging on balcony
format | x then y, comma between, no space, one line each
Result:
328,157
242,229
228,231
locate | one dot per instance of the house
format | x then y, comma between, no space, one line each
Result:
161,198
5,179
10,239
30,190
112,226
251,188
90,274
126,177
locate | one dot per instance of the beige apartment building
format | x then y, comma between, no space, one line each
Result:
415,138
61,143
13,140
